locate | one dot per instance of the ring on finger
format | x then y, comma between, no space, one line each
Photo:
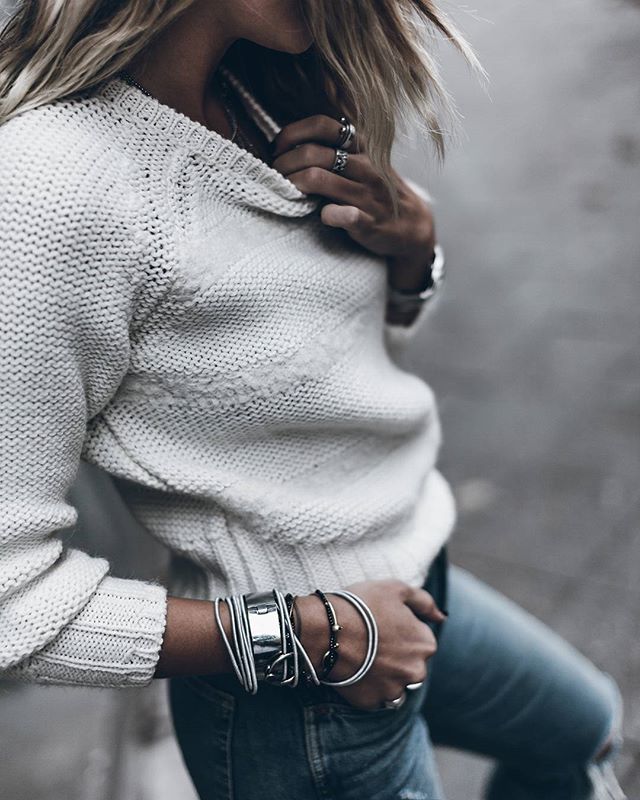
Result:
413,686
347,132
340,160
394,704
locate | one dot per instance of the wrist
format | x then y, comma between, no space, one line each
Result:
315,633
395,316
192,644
411,273
223,660
313,628
403,305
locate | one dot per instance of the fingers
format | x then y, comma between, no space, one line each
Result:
318,128
305,152
423,605
316,180
312,154
309,168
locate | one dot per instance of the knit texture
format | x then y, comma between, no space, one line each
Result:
175,312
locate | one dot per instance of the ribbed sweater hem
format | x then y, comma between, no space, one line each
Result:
301,568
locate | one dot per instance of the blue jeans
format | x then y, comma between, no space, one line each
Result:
501,684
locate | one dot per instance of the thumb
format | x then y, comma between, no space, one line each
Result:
351,218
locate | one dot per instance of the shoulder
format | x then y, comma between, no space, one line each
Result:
65,155
65,195
73,202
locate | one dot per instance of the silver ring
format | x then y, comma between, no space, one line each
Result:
394,704
413,686
340,161
347,132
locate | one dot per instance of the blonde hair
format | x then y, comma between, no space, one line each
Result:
369,60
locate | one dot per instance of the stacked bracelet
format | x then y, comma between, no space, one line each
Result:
264,644
331,656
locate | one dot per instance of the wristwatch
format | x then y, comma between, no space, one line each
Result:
405,302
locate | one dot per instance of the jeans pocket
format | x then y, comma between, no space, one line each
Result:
382,753
203,717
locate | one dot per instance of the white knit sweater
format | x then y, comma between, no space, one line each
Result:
174,311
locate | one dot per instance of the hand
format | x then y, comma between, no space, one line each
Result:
304,152
405,641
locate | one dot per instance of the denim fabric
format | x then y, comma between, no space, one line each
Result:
501,684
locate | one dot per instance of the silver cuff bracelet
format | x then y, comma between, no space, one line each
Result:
266,632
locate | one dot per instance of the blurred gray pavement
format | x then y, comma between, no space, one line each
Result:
534,353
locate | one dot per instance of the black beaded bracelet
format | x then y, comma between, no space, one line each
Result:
331,656
289,600
296,622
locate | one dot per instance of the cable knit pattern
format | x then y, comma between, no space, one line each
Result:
174,311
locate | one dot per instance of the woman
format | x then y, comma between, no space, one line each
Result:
211,306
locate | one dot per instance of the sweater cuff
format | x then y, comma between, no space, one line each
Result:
398,335
113,642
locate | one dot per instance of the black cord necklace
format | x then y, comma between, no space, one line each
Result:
225,93
127,78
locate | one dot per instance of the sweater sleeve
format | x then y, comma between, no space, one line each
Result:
398,335
70,279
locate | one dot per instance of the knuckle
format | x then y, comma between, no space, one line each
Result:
375,179
429,644
377,183
316,176
417,673
325,124
397,586
283,139
408,672
421,673
309,152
